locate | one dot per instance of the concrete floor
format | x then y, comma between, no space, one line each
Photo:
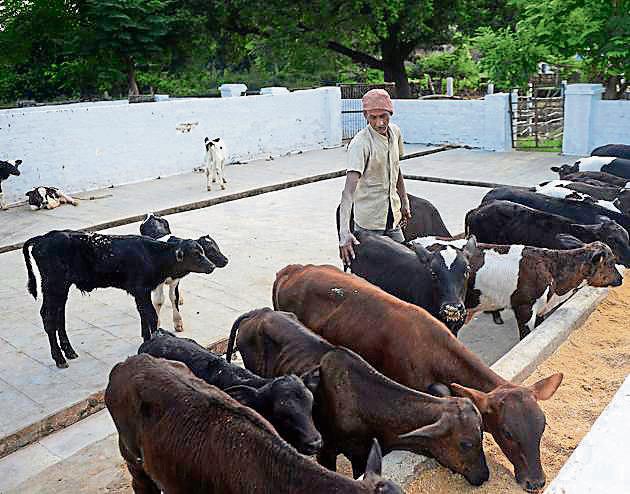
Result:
260,235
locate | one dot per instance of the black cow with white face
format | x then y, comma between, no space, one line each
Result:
131,263
158,228
607,164
7,168
48,198
436,281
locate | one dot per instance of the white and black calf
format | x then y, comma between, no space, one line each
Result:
582,212
159,229
7,169
132,263
607,164
48,198
616,150
216,153
435,281
530,280
508,223
612,198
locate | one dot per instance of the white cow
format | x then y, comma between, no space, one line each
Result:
215,161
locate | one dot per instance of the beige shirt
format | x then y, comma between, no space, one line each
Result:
376,157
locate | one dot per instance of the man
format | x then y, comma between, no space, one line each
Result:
374,183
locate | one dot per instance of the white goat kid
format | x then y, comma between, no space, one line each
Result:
215,161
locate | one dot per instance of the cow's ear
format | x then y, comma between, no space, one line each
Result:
206,140
479,398
217,139
311,379
423,254
18,163
598,257
545,388
179,255
246,395
569,241
471,246
554,169
431,431
375,460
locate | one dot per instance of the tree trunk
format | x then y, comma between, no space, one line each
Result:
394,56
131,77
611,91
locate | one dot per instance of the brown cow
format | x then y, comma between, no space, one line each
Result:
410,346
354,403
181,435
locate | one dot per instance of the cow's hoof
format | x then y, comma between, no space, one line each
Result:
179,326
71,354
180,301
62,365
224,181
222,187
209,189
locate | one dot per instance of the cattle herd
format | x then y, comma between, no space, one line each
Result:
356,364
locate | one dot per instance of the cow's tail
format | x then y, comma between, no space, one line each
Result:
232,339
32,282
281,276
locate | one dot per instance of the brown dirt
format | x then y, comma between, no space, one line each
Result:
595,360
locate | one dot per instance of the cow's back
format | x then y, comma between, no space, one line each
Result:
616,150
349,311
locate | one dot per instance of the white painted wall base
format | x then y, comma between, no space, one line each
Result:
93,145
480,123
600,462
590,122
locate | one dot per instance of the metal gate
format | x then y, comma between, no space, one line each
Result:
352,119
538,116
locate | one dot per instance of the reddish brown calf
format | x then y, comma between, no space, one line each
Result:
412,347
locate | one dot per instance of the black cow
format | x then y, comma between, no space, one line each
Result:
610,197
616,150
90,260
580,212
435,281
608,164
594,178
7,168
286,401
158,228
508,223
425,220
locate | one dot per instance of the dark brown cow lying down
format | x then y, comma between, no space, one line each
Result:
180,435
354,403
410,346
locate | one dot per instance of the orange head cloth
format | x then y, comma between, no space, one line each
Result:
377,99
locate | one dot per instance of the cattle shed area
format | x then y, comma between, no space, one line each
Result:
289,219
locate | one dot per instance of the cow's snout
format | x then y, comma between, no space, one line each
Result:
312,447
534,485
453,312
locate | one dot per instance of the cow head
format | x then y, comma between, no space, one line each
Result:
212,251
287,402
612,234
512,415
213,143
565,170
155,227
372,479
8,168
190,258
600,267
450,270
455,440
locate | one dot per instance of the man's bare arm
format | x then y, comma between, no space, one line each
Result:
347,241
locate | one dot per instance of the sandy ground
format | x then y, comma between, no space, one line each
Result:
595,360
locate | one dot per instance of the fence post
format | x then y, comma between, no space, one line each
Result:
579,106
449,86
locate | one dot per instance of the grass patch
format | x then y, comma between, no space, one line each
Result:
545,146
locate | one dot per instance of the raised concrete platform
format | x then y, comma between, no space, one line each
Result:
600,462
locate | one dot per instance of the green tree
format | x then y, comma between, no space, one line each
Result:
556,31
134,31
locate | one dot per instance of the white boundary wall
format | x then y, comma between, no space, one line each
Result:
590,122
86,146
480,123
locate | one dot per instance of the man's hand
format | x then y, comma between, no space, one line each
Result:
347,241
406,215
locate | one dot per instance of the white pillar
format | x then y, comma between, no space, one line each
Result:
230,90
491,88
579,108
449,86
496,122
333,103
